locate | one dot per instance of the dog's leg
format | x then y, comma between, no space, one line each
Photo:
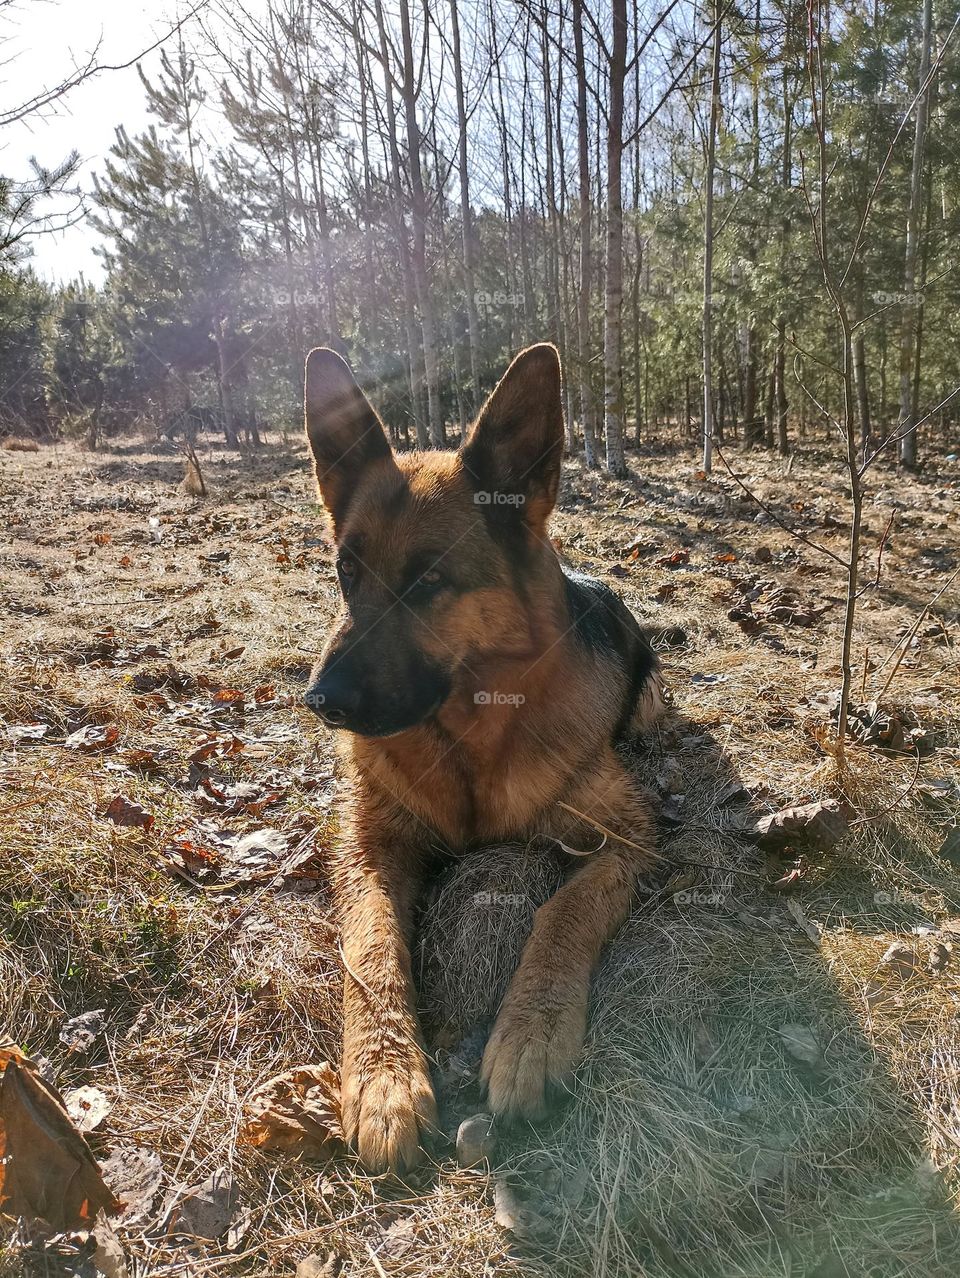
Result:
386,1094
542,1021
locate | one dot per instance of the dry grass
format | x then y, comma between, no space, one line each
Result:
694,1143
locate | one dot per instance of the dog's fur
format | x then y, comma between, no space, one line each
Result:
482,690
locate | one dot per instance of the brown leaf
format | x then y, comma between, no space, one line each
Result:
676,560
297,1112
46,1166
205,1211
727,557
123,811
819,824
228,696
95,736
315,1266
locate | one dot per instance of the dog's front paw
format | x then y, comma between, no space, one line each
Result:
386,1109
534,1047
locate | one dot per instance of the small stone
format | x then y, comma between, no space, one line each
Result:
476,1140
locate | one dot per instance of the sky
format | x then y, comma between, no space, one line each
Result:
41,42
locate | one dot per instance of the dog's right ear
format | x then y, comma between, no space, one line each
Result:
345,433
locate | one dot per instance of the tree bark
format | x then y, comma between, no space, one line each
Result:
909,323
587,407
708,245
613,309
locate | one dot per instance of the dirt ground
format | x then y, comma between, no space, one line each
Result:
766,1089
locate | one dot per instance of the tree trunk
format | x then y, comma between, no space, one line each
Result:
613,309
418,210
466,217
587,408
708,246
909,323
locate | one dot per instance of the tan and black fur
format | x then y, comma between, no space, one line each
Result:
478,686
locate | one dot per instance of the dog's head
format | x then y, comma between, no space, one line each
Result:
437,552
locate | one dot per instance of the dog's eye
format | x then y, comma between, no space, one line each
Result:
427,584
347,567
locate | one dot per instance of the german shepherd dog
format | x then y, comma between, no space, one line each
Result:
481,690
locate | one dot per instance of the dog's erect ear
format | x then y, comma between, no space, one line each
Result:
514,450
345,433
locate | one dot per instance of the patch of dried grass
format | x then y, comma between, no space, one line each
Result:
698,1144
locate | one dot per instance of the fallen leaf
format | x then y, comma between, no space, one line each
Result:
399,1236
108,1257
821,824
900,960
206,1210
134,1175
87,1106
228,696
46,1166
123,811
95,736
297,1112
950,848
320,1267
27,732
676,560
80,1032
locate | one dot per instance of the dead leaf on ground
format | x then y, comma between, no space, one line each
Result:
297,1112
206,1210
900,960
123,811
320,1267
108,1257
822,824
87,1106
135,1176
95,736
676,560
80,1032
46,1166
27,732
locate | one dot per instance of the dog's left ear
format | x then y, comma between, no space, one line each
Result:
516,445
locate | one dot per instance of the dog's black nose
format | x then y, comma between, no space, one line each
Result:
334,697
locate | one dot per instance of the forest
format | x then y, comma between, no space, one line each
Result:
680,199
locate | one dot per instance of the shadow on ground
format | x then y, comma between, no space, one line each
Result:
731,1116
